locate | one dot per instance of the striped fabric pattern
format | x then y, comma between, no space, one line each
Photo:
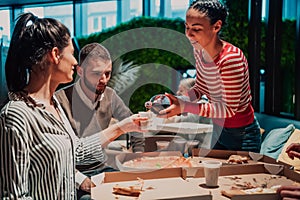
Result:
37,156
226,84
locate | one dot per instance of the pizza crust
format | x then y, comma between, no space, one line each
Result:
133,191
257,190
237,159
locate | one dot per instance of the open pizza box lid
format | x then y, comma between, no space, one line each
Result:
157,184
122,158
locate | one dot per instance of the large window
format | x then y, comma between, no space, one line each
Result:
178,8
5,27
4,41
100,15
64,13
280,59
287,59
169,8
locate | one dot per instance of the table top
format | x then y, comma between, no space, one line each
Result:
182,127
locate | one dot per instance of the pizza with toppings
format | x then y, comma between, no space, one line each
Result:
158,162
256,190
237,159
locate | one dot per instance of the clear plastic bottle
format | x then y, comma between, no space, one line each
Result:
158,102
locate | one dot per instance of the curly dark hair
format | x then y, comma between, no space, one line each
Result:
213,9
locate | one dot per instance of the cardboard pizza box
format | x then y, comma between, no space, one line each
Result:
157,184
186,183
260,174
225,154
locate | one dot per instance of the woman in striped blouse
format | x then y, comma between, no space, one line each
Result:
37,144
222,75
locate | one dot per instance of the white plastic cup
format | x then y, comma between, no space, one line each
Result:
145,125
178,144
211,172
162,145
191,144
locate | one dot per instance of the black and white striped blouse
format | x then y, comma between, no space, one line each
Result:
37,154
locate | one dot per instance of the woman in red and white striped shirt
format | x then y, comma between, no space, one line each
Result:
222,75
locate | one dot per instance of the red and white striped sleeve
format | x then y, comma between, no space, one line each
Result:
225,82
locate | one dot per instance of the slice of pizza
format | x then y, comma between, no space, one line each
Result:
237,159
134,190
257,190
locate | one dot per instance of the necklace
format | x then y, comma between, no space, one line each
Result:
207,58
217,54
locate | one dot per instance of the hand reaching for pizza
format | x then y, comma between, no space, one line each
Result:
293,150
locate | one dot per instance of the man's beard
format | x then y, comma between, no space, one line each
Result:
91,87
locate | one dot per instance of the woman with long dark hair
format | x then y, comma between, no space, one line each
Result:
38,146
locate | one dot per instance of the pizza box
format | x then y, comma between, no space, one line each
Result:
233,182
225,154
158,184
259,174
201,154
121,158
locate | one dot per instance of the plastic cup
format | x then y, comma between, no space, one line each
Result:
178,144
161,145
191,144
145,125
211,172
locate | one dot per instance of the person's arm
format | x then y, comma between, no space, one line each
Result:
89,149
228,92
129,124
83,182
79,178
228,85
121,111
14,159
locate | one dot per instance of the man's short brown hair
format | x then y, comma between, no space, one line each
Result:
93,51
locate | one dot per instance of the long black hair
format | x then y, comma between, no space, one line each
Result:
32,39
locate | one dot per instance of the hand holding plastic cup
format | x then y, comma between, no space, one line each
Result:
211,172
146,124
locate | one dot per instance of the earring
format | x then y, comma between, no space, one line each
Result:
27,76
